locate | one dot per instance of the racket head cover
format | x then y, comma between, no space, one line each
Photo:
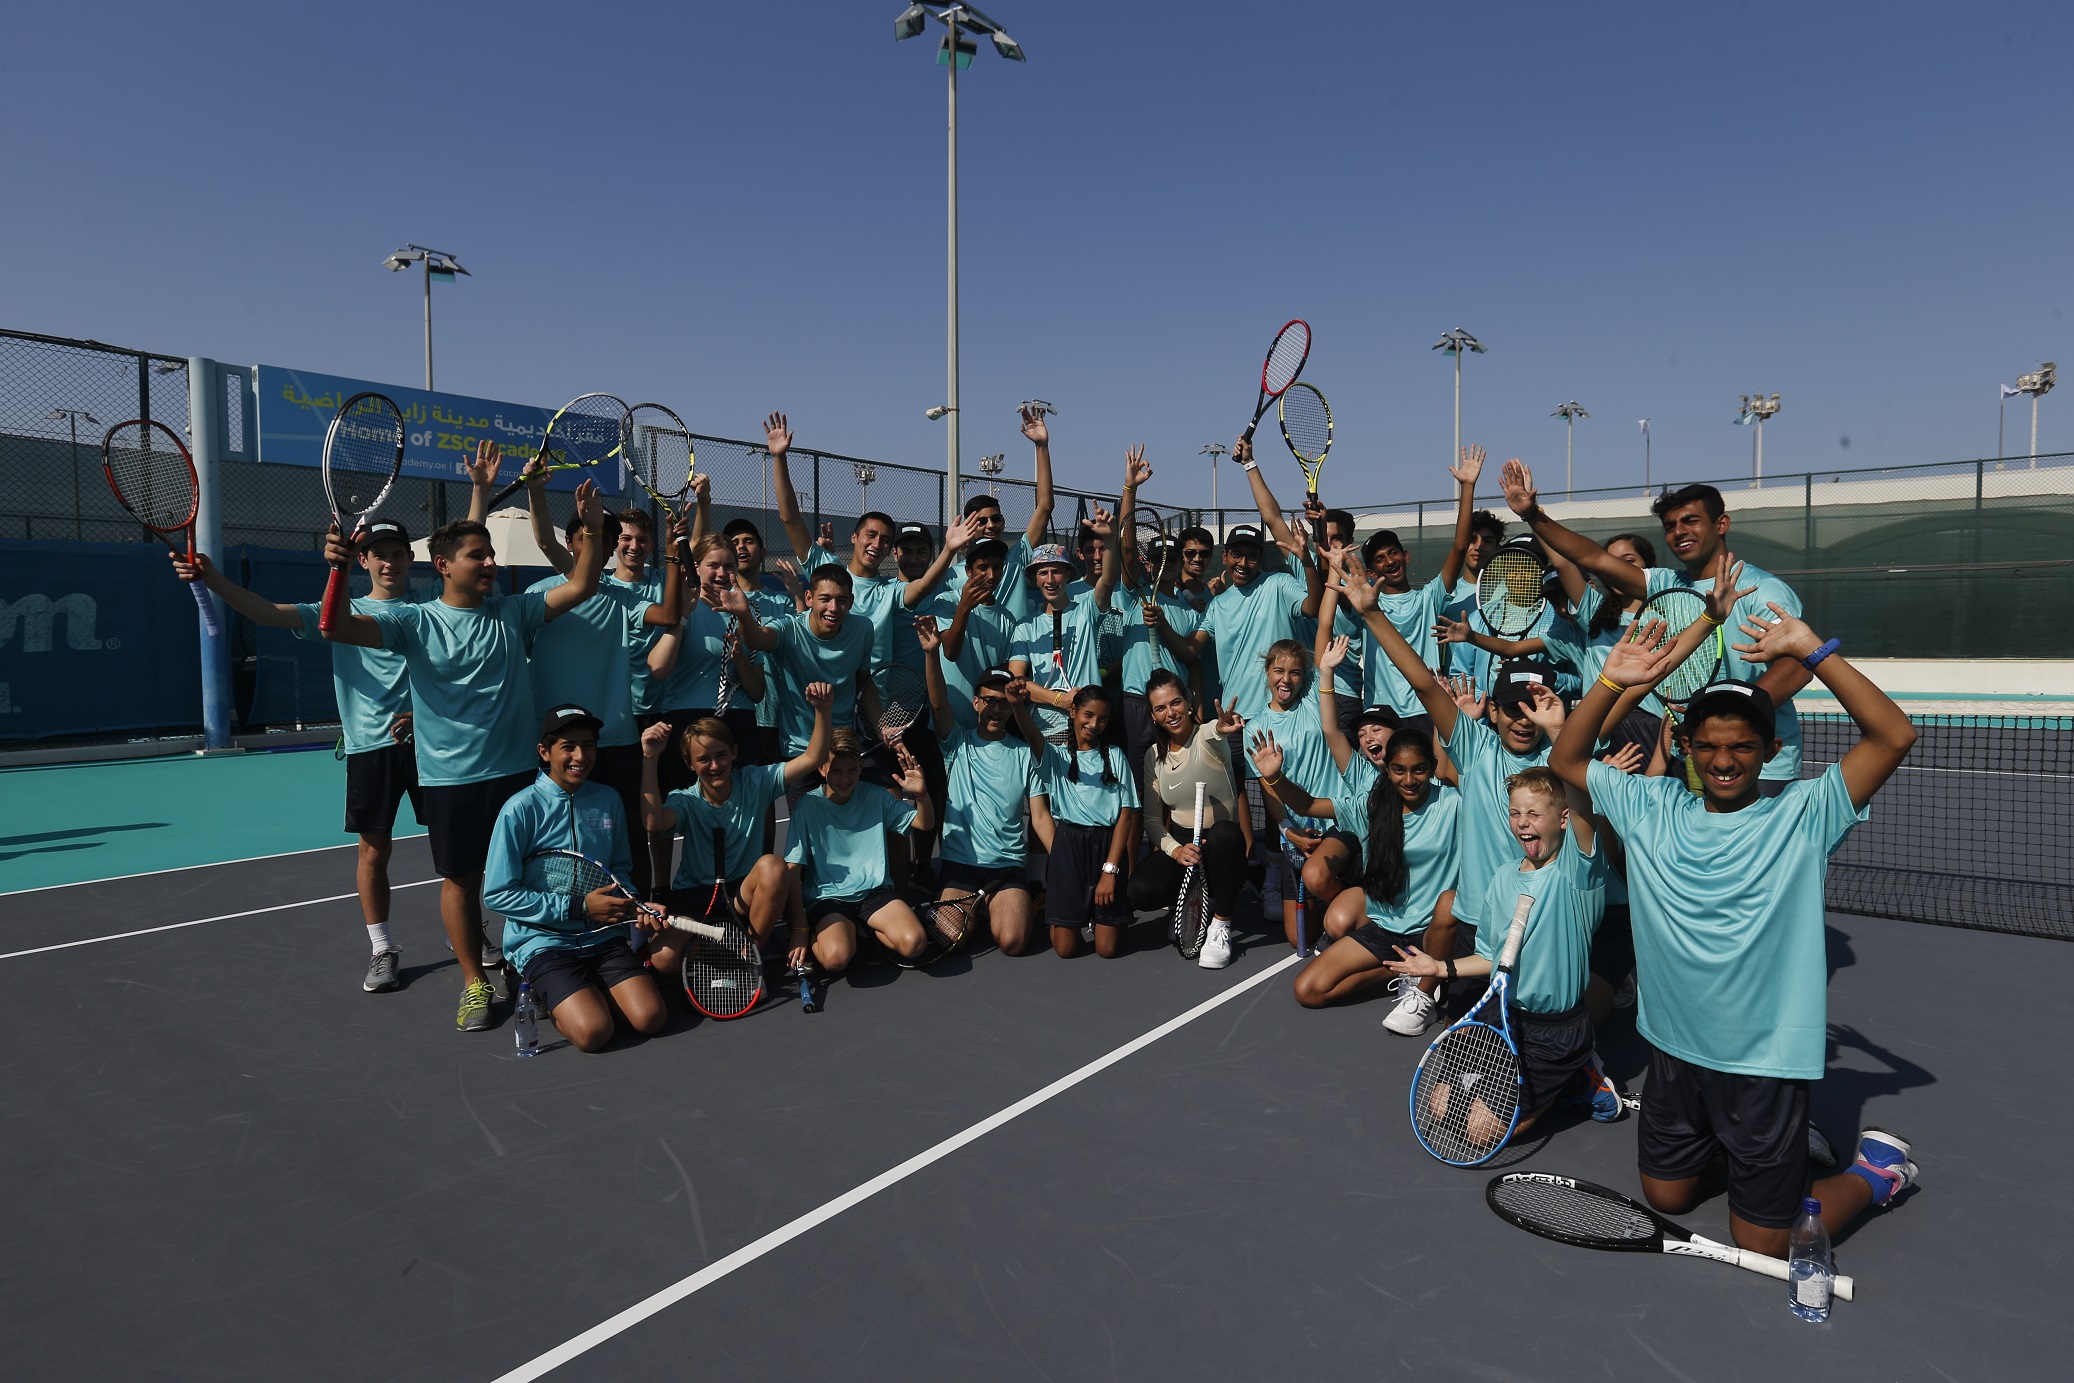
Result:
1306,420
1575,1212
151,474
1509,592
1679,608
363,452
659,453
1285,357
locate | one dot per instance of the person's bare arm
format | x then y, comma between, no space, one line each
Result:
583,579
778,438
807,763
1465,475
1103,526
361,631
482,478
256,608
1575,582
1263,498
956,539
544,536
754,632
1885,734
1267,757
1329,652
1630,582
655,742
1360,594
931,640
676,559
663,653
1461,631
1041,824
702,508
1040,437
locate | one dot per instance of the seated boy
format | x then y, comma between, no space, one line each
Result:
837,842
579,975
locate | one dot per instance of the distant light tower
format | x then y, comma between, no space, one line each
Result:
2037,384
1454,343
1643,423
1756,408
1213,451
438,265
992,466
72,417
865,473
1569,413
953,52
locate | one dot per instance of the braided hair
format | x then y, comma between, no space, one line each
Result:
1384,872
1085,696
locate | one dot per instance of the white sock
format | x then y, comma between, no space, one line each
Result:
378,937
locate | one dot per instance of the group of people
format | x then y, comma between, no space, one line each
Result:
1371,761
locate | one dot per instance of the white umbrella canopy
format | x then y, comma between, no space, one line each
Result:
511,531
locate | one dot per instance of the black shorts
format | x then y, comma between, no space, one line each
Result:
1613,945
979,878
1638,728
673,773
459,818
858,910
1553,1048
1350,867
558,975
1691,1113
1383,943
376,781
1072,870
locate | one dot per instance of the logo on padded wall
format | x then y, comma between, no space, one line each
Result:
34,617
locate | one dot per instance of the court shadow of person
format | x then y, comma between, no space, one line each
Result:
1837,1101
1837,950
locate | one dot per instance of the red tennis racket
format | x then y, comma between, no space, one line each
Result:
153,477
363,451
1285,358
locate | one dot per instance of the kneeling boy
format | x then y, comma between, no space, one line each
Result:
838,843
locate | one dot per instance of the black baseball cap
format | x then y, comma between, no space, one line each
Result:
994,679
557,722
987,547
736,527
1375,543
1244,533
1743,700
1513,683
1385,716
383,528
914,530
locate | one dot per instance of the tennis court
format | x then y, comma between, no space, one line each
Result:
227,1162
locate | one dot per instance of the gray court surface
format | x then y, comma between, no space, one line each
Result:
224,1161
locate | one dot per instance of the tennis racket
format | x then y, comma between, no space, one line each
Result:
1678,607
587,431
903,695
1148,545
1592,1217
1051,721
1509,593
363,451
1306,420
947,924
575,876
804,975
153,477
725,690
723,976
659,455
1285,357
1465,1096
1192,903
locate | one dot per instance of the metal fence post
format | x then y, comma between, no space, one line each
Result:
205,419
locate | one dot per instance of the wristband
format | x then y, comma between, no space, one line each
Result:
1271,782
1249,466
1450,963
1708,616
1819,654
1610,684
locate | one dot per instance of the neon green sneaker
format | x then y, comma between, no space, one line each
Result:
475,1007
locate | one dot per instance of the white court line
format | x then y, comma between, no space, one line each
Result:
200,921
181,868
749,1253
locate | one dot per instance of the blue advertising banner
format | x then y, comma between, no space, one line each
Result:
95,638
441,430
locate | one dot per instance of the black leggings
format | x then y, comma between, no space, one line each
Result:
1158,877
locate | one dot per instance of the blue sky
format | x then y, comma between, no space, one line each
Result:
1650,209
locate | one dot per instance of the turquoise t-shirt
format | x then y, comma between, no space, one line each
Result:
581,657
1430,852
804,659
740,818
371,685
1306,758
694,681
1569,895
1414,613
989,639
1077,663
1243,622
771,604
1088,802
641,637
469,683
897,643
1143,653
1770,590
842,846
1346,678
543,817
1484,826
991,783
1731,970
876,601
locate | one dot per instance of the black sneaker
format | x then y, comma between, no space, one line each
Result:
381,972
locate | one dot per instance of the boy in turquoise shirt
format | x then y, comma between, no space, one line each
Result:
836,847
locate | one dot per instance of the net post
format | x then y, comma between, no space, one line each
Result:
205,413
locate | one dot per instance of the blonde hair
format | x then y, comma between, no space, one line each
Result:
706,728
845,744
1539,780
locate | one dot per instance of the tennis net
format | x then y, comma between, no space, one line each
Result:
1972,829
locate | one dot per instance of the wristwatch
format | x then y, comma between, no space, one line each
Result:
1109,868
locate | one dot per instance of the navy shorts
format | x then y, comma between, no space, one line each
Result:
1553,1048
458,819
1072,870
559,975
376,781
858,910
1691,1114
1383,944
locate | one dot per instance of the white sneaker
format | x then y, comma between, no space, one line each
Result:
1414,1011
1216,952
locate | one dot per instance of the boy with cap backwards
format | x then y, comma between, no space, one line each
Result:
1725,891
580,980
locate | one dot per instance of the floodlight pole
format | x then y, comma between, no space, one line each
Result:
1569,413
1455,343
951,261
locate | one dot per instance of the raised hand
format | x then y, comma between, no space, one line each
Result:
1546,710
590,506
1034,428
702,489
1786,636
927,634
1137,471
976,592
337,551
1229,721
1721,601
1352,582
820,695
960,534
1643,657
1153,616
1242,451
1471,467
825,539
655,739
1267,755
1335,654
777,435
1629,758
1518,483
1452,630
728,599
1461,689
910,779
1100,522
489,459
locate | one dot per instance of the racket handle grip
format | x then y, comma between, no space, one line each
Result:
208,608
1841,1285
334,601
697,928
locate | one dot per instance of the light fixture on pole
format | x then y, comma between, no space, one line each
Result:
438,264
1643,423
955,51
1756,408
1213,451
1455,343
72,417
865,473
992,466
2037,384
1569,413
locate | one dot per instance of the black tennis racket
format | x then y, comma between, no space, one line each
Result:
1509,591
1192,902
1592,1217
153,477
363,451
1306,420
575,876
723,976
1149,545
659,455
947,927
1465,1096
586,432
902,695
1285,357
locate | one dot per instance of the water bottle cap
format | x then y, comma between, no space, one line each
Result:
526,988
1811,1206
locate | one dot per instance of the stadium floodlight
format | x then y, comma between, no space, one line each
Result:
2037,384
1457,343
1213,451
993,466
938,413
956,51
1755,409
1569,413
438,264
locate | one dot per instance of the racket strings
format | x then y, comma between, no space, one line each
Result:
590,430
151,476
1285,358
1192,912
948,922
661,454
1508,592
902,695
1306,424
1678,610
361,455
1564,1210
1466,1094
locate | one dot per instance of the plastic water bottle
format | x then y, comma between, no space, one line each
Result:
1811,1272
525,1031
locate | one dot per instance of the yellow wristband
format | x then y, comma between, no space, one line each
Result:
1610,684
1271,782
1710,618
